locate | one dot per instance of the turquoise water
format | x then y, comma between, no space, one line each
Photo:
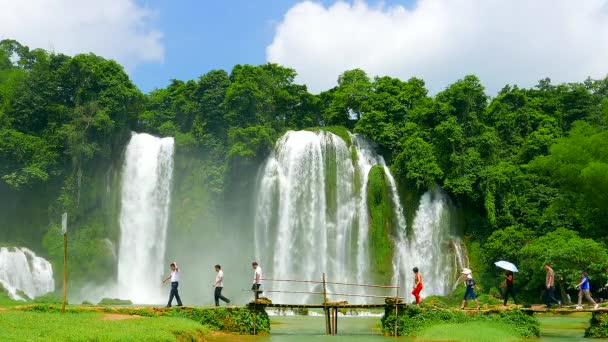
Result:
305,328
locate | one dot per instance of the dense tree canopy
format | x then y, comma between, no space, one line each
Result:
526,167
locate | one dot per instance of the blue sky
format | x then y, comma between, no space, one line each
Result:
213,34
516,42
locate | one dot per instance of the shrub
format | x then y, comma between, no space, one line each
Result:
115,301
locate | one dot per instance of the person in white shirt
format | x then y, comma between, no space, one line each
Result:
257,279
219,285
174,276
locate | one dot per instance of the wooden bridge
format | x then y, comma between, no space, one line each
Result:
391,302
331,308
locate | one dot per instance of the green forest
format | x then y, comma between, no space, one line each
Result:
527,169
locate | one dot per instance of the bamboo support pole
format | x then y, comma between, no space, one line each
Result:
325,310
65,271
397,307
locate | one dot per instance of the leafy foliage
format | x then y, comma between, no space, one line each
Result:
519,166
413,319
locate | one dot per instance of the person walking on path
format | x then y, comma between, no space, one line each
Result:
509,289
219,285
583,290
550,285
469,293
257,279
417,285
174,276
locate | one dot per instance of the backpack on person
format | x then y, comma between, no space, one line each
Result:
471,282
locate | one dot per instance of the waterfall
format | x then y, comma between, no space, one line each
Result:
312,217
146,189
366,158
431,246
22,270
308,207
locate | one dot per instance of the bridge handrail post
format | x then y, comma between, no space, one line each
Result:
396,305
325,310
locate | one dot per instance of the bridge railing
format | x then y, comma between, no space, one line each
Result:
332,318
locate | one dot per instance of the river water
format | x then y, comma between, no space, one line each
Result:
306,328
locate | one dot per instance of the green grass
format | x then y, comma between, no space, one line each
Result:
41,326
471,331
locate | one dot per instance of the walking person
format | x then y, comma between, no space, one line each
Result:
509,289
583,290
417,285
174,276
550,285
219,286
469,293
257,279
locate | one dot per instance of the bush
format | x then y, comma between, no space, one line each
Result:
115,301
50,298
413,319
598,327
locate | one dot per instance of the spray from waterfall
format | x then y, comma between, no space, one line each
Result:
432,246
146,190
22,270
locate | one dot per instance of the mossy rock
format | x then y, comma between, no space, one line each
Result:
598,325
115,301
50,298
340,131
382,222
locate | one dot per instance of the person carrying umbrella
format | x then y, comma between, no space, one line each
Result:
509,289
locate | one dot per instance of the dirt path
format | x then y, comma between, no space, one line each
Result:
117,317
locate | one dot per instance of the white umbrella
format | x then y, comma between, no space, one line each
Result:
506,266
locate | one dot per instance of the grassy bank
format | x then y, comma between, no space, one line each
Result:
414,320
470,331
16,325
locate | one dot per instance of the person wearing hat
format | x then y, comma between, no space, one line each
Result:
257,279
470,284
583,290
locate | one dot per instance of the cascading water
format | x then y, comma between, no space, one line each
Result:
312,217
146,190
22,270
431,246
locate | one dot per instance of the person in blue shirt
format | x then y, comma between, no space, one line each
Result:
469,293
583,289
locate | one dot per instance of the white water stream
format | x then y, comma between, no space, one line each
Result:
312,217
145,198
22,270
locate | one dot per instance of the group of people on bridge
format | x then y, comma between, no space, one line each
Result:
508,287
218,285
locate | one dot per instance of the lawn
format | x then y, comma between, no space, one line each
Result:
18,325
472,331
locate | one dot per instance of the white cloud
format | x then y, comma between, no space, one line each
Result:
501,41
116,29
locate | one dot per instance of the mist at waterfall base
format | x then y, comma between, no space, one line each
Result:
312,218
